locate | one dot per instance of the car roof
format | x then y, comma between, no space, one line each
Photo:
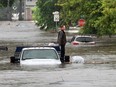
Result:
29,48
82,36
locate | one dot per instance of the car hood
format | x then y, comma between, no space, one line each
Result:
40,62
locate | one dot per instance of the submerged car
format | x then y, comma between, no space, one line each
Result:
46,55
39,56
82,40
16,57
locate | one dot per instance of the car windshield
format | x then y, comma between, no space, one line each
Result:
39,54
84,39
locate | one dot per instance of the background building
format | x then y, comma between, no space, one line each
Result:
28,5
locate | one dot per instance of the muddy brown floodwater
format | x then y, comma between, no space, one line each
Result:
99,69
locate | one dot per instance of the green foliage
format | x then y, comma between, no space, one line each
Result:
92,11
4,3
100,15
43,13
107,22
69,12
1,5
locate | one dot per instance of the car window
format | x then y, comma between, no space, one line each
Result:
40,54
89,39
80,39
84,39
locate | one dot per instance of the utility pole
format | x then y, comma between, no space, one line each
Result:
8,10
20,10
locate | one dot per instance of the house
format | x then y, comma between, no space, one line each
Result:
28,5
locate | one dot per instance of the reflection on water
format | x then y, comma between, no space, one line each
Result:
73,66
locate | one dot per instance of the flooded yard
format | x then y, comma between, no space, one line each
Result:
99,69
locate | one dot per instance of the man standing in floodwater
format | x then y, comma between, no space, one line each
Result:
62,41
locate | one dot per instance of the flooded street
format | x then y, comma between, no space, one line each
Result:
99,69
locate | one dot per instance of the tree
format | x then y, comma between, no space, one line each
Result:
100,15
4,3
43,13
107,22
73,10
91,10
69,12
8,4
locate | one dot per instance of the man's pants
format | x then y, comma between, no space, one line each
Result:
62,57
